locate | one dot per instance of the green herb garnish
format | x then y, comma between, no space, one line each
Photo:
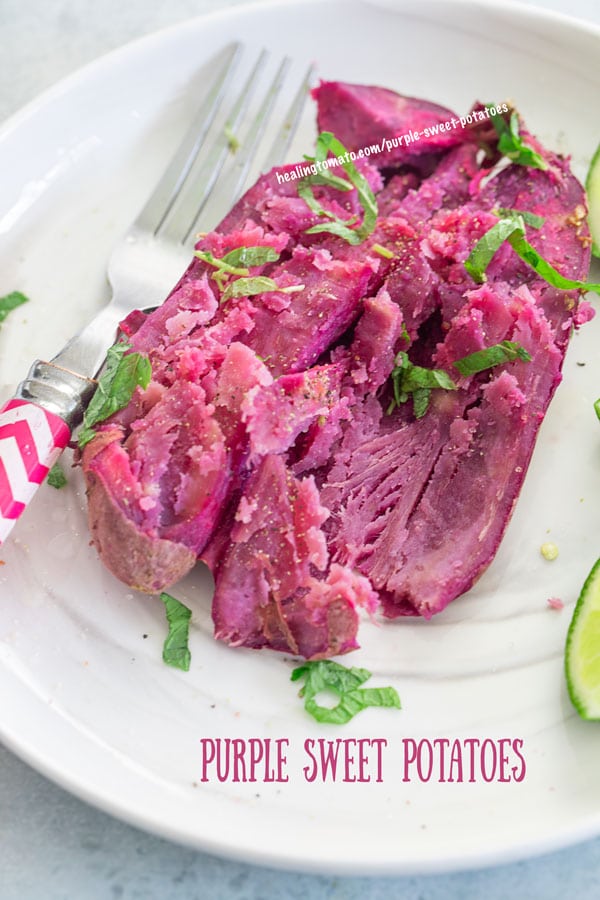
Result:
531,219
251,256
382,251
325,674
597,407
249,287
512,145
327,142
496,355
237,262
10,302
340,227
409,379
232,141
325,176
176,652
123,373
545,270
488,245
56,478
511,228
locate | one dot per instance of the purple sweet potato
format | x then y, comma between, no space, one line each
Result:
268,442
403,129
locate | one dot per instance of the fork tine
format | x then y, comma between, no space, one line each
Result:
167,190
202,176
283,138
244,156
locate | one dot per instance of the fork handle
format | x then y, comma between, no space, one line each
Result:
31,440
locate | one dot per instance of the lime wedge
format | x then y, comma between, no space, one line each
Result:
582,653
592,186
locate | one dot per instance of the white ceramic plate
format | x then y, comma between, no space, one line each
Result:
86,697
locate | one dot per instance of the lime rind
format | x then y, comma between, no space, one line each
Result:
582,650
592,187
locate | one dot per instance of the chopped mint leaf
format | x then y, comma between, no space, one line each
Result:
337,226
545,270
421,397
11,301
176,652
250,256
418,381
512,145
488,245
531,219
56,478
237,261
328,143
232,141
511,228
382,251
409,379
123,373
223,269
496,355
248,287
327,178
325,674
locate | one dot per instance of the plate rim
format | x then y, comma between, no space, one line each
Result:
76,785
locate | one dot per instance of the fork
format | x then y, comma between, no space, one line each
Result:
36,424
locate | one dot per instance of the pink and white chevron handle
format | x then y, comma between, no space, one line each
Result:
31,440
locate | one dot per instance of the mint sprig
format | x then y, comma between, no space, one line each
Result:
339,227
259,284
511,228
496,355
56,477
512,145
176,651
327,675
11,301
488,245
416,381
531,219
328,143
123,373
237,261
